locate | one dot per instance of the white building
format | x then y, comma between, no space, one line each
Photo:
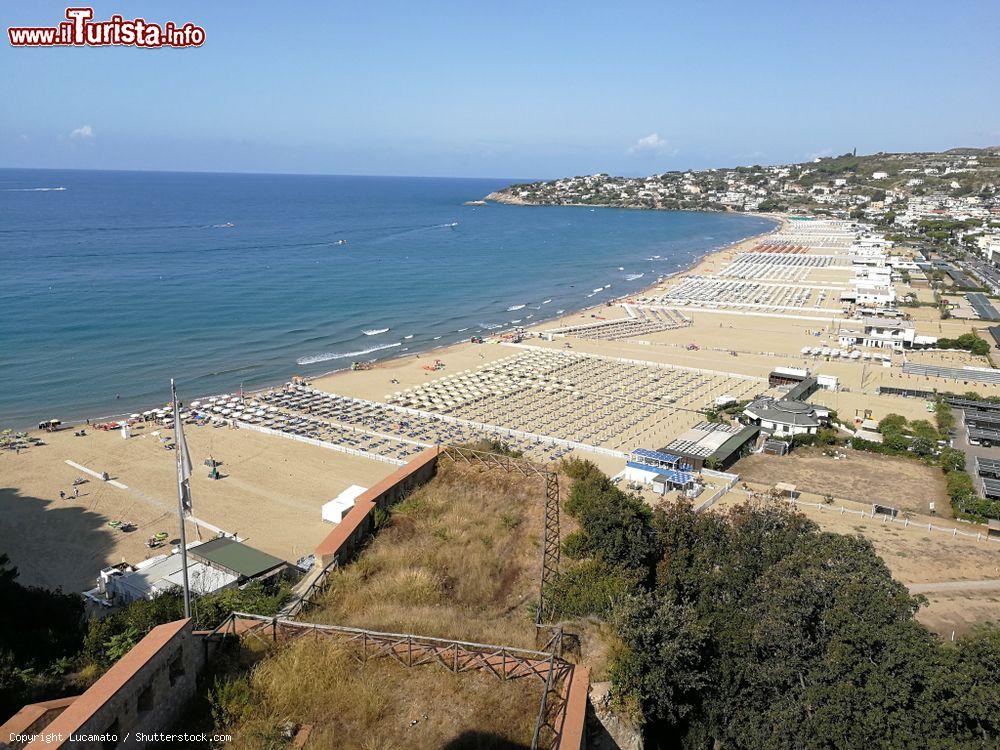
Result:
885,333
160,575
868,294
786,417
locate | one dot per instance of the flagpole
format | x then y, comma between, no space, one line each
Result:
180,502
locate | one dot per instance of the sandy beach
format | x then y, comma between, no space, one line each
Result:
551,396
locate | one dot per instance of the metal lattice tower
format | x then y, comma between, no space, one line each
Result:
551,541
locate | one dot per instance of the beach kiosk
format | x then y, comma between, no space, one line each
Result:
661,471
335,510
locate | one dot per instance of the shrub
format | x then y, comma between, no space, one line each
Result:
231,701
589,588
494,445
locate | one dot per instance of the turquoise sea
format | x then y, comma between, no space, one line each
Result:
111,283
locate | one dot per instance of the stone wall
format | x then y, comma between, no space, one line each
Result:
144,692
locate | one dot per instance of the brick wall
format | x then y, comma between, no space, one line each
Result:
350,533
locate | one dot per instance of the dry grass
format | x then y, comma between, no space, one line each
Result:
863,477
459,559
960,611
370,706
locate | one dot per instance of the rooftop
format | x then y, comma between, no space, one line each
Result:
235,556
164,573
786,411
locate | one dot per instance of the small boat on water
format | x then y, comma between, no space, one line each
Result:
340,242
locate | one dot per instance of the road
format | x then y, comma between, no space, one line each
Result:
942,586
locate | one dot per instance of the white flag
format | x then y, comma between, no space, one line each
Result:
183,459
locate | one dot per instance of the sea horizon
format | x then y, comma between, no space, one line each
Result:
119,280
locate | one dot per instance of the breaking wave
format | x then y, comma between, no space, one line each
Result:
35,190
341,355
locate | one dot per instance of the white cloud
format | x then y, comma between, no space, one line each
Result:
82,133
651,144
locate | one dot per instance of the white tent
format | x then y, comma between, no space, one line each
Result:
335,510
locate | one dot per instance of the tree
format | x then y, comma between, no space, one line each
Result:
758,630
38,629
951,460
662,668
892,423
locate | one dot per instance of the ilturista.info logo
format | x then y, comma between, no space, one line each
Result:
81,30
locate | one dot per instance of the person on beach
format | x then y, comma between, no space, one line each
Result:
76,492
62,495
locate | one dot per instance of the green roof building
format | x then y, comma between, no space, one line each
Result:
237,558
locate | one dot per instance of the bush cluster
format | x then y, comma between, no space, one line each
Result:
758,630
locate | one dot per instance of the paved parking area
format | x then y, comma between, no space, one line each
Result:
961,442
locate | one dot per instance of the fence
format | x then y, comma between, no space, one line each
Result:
906,522
730,479
321,443
318,584
562,708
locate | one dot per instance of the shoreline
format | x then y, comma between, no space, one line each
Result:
780,219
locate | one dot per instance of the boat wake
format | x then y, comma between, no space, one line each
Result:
341,355
35,190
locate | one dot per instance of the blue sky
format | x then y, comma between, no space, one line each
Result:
511,89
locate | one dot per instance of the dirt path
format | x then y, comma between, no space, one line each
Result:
928,588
